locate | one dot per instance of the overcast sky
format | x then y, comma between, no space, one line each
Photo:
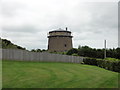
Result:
27,22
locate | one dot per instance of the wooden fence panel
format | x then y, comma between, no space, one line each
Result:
22,55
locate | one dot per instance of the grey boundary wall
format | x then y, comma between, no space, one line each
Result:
23,55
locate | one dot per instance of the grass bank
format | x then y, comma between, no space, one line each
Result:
18,74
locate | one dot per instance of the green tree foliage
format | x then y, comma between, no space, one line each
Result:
98,53
33,50
113,65
118,53
43,50
87,51
72,51
84,51
6,44
38,50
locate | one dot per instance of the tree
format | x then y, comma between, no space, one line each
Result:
72,51
43,50
118,53
79,47
100,53
84,51
21,48
33,50
38,50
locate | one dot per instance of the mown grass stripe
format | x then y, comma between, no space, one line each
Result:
56,75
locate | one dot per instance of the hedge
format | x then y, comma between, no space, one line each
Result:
90,61
113,65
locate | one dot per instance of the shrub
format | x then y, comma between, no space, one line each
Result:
113,65
74,54
72,51
116,66
90,61
82,62
111,59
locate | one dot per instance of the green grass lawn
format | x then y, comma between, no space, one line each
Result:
18,74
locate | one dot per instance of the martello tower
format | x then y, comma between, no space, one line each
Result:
59,40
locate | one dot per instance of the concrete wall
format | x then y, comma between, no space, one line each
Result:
22,55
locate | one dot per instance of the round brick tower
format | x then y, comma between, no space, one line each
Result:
59,40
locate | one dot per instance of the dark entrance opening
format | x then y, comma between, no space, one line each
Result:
65,45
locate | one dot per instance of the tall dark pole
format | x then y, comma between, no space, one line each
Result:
105,50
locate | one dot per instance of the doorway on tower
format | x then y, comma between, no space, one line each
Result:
65,45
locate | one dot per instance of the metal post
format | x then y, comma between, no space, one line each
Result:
105,50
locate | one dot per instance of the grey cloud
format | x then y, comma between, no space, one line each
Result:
103,15
9,9
88,22
25,29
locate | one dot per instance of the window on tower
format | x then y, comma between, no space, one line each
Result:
65,45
